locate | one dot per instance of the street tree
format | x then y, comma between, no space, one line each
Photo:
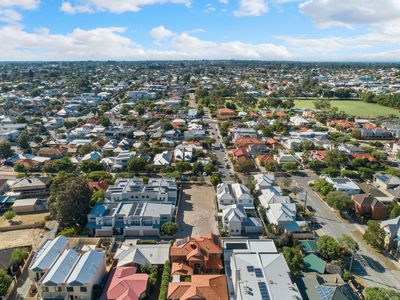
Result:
339,201
5,150
323,187
375,235
328,248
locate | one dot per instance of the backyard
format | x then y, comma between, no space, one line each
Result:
354,107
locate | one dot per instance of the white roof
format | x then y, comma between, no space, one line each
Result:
281,212
262,276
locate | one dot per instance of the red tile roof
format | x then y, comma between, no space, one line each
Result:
207,287
125,284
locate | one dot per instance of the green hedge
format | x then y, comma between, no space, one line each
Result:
165,281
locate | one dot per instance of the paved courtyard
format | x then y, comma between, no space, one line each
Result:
197,211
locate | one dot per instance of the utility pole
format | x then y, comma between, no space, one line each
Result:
305,201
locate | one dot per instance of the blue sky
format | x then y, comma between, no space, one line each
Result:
310,30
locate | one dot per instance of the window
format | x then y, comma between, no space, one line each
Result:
83,289
45,289
59,289
70,289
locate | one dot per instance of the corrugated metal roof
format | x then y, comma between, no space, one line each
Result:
86,268
49,253
62,268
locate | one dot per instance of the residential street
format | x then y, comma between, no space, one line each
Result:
367,264
219,149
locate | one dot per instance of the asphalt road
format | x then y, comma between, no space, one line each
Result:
367,264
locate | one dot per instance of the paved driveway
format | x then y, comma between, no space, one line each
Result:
196,212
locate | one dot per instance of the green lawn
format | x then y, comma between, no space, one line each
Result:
355,108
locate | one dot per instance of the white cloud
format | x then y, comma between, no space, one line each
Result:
193,47
224,1
23,4
350,12
251,8
10,16
111,44
161,33
115,6
68,8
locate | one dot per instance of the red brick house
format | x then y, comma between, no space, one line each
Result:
369,207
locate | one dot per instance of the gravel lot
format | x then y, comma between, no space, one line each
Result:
24,237
197,211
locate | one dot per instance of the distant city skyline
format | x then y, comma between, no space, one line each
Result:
294,30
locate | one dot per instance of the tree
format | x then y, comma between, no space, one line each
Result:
105,122
73,202
5,150
215,179
328,248
395,212
245,166
332,172
18,257
209,168
358,162
64,164
183,166
23,142
289,166
98,196
20,168
198,168
169,228
294,259
100,176
5,281
323,187
348,243
91,166
378,293
375,235
365,173
335,159
137,165
339,201
9,215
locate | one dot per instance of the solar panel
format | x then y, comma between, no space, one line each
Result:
325,292
264,291
250,269
258,272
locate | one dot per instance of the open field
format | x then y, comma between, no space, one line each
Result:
355,108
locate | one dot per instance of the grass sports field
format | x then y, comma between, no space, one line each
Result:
354,108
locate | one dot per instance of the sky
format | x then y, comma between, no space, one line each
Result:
294,30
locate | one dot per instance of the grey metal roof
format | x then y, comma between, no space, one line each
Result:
62,268
86,268
49,253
